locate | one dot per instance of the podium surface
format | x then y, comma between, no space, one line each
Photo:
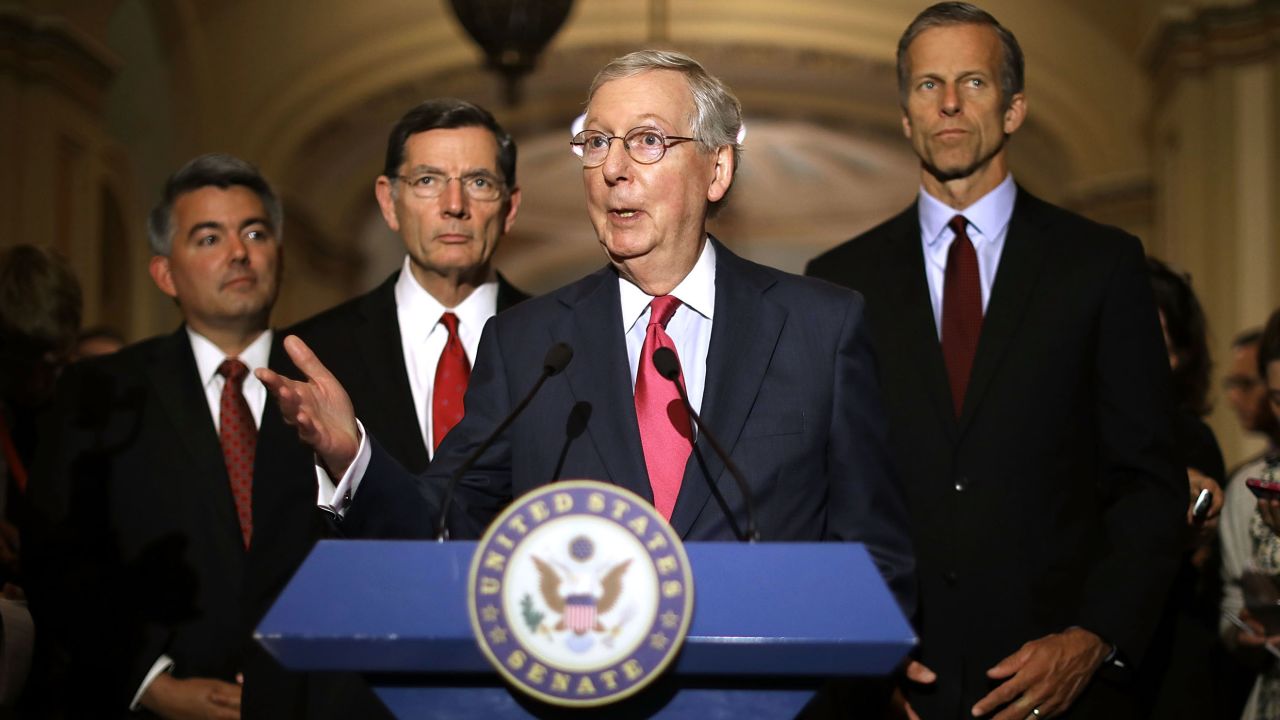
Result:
769,621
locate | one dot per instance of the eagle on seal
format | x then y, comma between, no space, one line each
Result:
584,597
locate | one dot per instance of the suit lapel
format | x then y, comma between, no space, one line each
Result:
601,377
1020,266
744,333
176,382
383,354
914,329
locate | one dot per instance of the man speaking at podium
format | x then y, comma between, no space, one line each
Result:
779,366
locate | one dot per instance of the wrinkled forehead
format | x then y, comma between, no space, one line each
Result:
661,98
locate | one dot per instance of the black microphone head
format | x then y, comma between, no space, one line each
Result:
666,363
557,358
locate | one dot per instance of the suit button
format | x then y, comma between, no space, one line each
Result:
951,577
962,483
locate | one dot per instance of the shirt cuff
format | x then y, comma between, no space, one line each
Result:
337,498
162,665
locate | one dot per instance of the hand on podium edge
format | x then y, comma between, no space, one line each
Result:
318,407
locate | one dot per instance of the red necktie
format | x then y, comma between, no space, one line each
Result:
665,433
239,438
961,311
452,373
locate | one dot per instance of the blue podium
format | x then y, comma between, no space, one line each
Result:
770,622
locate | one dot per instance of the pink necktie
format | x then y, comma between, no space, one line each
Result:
239,438
452,373
665,432
961,311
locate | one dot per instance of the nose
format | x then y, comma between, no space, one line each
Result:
453,200
950,101
238,248
617,162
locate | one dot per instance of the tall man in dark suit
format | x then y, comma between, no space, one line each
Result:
176,503
1026,384
780,365
449,190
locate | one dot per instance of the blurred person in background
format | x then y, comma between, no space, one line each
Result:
1246,393
1188,674
97,340
1250,537
40,309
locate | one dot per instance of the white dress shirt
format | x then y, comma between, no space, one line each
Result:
689,328
423,336
988,224
208,358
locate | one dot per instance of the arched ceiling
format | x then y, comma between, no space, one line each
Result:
309,90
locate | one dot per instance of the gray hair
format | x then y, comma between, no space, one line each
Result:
216,170
946,14
718,117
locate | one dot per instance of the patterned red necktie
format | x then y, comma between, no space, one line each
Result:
239,438
961,311
665,432
452,373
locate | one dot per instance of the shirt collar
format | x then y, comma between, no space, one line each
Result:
697,290
414,302
989,215
209,356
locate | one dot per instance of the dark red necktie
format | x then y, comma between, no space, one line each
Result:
452,373
665,432
239,438
961,311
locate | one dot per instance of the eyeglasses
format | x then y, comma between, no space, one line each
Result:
478,186
645,145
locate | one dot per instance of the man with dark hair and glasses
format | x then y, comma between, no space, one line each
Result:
404,350
779,365
1026,383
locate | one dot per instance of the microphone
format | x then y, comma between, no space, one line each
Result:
558,356
668,366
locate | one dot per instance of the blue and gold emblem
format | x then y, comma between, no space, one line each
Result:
580,593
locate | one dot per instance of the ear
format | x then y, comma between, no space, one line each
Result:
722,176
1016,113
513,207
162,275
386,202
906,125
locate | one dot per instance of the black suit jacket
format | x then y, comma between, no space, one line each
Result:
359,341
137,549
790,392
1051,501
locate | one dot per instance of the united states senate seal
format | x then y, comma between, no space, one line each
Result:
580,593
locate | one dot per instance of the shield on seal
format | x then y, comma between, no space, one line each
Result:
580,613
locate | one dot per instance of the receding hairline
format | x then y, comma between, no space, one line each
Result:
689,118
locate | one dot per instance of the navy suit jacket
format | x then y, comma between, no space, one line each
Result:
1051,501
791,392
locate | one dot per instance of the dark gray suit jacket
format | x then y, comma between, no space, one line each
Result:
1052,500
359,341
136,550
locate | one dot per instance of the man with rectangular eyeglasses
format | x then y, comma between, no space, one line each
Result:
404,350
